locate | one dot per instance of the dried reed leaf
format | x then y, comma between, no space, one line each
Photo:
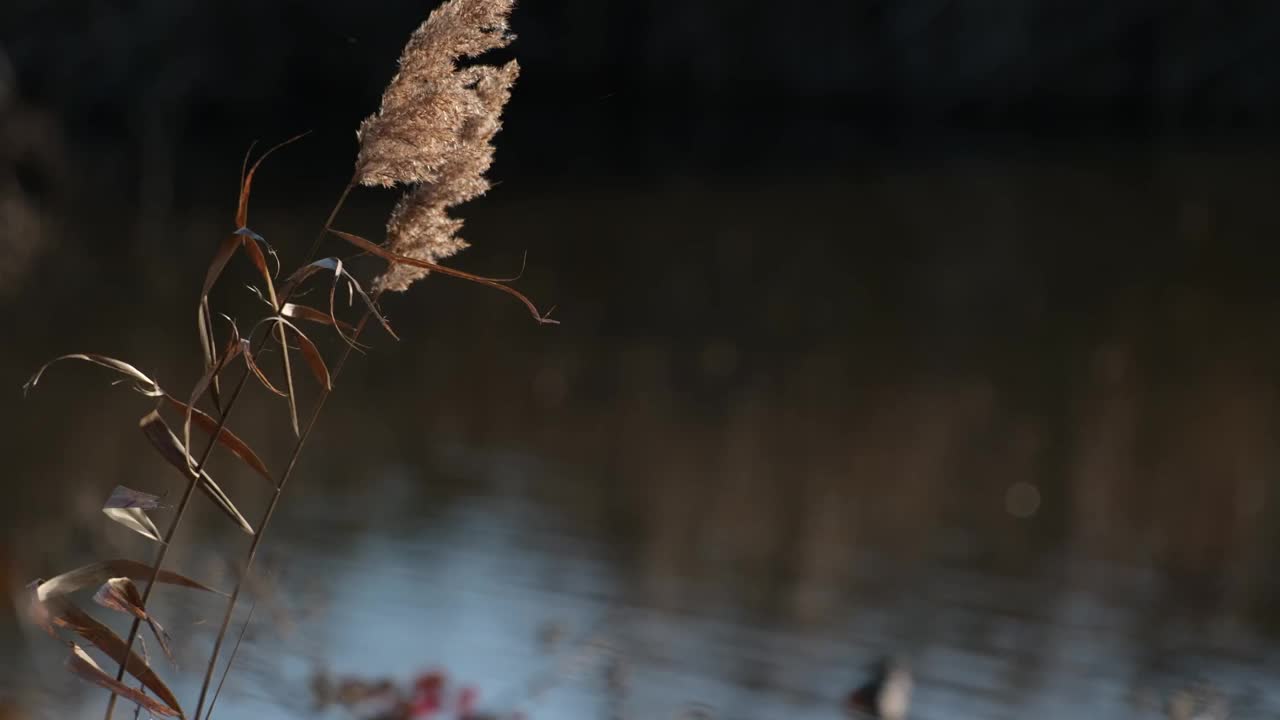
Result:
95,574
142,383
63,614
172,450
247,351
310,314
226,249
252,242
136,520
228,439
242,209
391,257
121,595
208,382
334,265
84,667
128,507
123,497
204,318
310,352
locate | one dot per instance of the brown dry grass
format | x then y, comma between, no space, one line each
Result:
433,132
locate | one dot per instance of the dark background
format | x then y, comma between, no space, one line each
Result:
137,108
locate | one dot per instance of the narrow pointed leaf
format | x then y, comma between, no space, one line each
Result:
228,439
123,497
121,595
334,265
141,382
242,209
311,353
256,255
310,314
172,450
207,382
204,318
69,617
94,574
84,667
257,371
136,520
385,254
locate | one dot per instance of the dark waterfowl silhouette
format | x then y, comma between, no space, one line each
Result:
886,694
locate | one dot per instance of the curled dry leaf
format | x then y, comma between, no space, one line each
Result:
228,439
334,265
208,382
62,614
172,450
247,351
85,668
204,318
310,314
253,245
128,507
135,519
246,182
94,574
123,497
121,595
391,257
226,249
309,351
141,382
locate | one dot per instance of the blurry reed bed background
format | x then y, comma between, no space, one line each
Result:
1094,327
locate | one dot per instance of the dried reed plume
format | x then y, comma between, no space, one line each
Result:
434,131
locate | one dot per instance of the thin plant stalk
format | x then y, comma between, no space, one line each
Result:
224,416
234,651
270,511
169,534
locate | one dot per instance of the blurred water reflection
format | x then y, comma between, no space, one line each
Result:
1053,503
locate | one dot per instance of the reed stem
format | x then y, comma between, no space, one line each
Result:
224,415
271,508
169,535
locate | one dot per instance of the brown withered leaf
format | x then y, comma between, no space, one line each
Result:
95,574
65,615
204,318
121,595
310,352
242,209
255,254
208,382
123,497
334,265
391,257
84,667
128,507
253,245
141,382
226,249
172,450
310,314
229,440
247,351
136,520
